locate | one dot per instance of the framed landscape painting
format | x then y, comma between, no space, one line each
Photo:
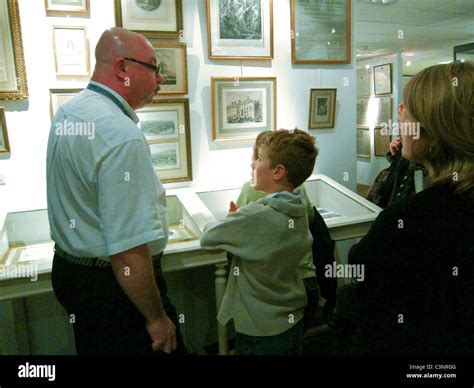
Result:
242,107
171,56
12,64
151,18
240,29
322,108
165,124
66,6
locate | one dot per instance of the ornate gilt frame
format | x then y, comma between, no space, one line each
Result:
3,122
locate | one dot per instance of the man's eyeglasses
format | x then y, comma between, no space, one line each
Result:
156,69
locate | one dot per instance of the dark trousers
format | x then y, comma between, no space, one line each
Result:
104,319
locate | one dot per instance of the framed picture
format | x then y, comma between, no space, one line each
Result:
362,112
71,51
383,109
172,58
242,107
363,143
320,31
383,79
4,144
240,29
381,142
363,82
12,64
59,97
66,6
166,126
322,108
151,18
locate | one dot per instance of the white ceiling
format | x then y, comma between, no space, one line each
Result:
430,29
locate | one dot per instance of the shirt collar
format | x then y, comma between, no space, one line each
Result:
125,105
286,195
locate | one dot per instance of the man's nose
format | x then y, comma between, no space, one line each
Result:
160,78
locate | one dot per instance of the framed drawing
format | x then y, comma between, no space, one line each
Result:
240,29
381,142
383,79
71,51
151,18
363,82
363,143
322,108
362,112
320,31
12,65
4,144
171,56
166,126
242,107
66,6
59,97
383,109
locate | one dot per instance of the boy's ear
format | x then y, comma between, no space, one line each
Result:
279,172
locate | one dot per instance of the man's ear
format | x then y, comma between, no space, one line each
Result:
279,172
120,69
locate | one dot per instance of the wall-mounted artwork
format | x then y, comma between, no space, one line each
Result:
383,113
66,6
12,65
322,108
4,144
381,142
363,143
171,56
240,29
151,18
363,82
362,112
242,107
383,79
166,126
320,31
71,51
59,97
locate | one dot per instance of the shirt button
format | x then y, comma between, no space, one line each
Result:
405,177
402,186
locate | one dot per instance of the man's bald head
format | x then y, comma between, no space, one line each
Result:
119,42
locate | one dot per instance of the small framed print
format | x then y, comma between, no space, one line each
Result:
383,79
242,107
71,51
322,108
4,144
59,97
151,18
13,83
363,82
383,109
66,6
166,126
172,58
381,142
240,29
363,143
320,31
362,112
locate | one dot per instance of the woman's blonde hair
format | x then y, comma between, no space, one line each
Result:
441,99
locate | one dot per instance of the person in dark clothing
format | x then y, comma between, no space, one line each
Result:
418,255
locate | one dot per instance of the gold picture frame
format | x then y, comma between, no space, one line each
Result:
172,57
4,143
59,97
71,51
13,84
320,33
383,79
322,108
59,9
363,143
166,126
242,107
238,33
159,19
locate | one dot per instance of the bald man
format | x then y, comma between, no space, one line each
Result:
107,208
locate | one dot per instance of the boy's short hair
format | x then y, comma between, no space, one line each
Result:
294,149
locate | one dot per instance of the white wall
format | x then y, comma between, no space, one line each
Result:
367,169
28,121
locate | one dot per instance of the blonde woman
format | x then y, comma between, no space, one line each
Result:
419,254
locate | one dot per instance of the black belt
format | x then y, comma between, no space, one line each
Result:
87,261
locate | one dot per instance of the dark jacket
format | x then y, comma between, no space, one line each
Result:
417,296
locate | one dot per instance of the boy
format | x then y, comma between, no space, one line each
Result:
265,294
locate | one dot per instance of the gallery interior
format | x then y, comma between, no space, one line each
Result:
339,93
